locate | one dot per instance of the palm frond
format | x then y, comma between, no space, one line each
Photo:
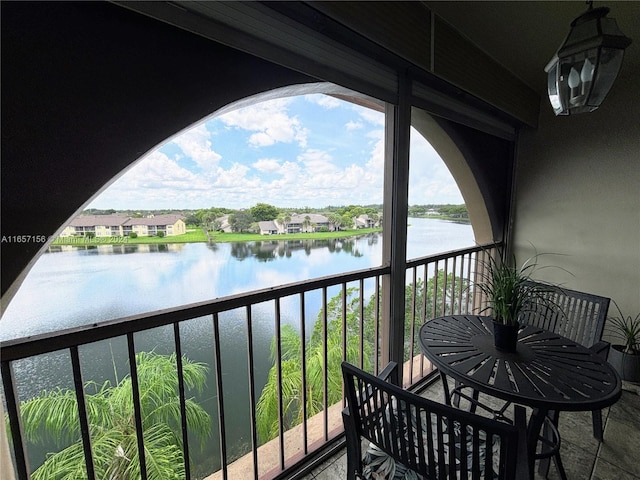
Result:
68,463
164,458
54,415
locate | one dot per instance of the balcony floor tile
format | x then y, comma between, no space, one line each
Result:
583,457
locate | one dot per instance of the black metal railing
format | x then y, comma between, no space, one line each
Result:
440,285
347,327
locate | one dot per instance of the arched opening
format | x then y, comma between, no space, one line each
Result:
326,89
455,161
423,123
426,125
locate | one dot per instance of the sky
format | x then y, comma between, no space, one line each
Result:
304,151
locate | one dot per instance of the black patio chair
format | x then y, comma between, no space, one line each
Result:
577,316
405,431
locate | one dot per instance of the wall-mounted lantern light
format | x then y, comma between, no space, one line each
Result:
587,63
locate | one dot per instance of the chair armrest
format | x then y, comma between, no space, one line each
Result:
388,374
523,468
390,371
601,348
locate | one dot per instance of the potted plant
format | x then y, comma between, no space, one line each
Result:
511,292
625,357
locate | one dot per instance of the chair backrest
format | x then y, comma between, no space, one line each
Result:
576,315
427,437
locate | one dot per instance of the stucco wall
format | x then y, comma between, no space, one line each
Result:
578,195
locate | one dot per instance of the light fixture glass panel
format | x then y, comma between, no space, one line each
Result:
576,79
552,88
586,74
610,63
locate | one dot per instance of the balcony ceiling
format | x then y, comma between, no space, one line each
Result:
523,36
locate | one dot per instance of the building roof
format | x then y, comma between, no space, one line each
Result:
120,220
313,218
101,220
155,220
267,225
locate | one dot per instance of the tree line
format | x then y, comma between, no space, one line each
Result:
246,220
340,217
243,220
448,210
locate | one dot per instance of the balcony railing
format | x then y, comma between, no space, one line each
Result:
338,318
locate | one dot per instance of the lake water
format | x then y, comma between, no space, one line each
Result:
72,286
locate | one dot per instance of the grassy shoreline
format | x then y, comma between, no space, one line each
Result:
198,236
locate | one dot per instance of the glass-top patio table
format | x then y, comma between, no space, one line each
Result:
547,372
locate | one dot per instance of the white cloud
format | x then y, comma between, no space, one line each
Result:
270,121
196,144
235,176
318,164
153,179
155,171
371,116
292,175
324,101
343,163
376,159
269,165
261,139
429,178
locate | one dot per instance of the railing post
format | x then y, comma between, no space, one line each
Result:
396,191
17,433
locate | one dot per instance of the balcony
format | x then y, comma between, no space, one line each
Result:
351,329
318,438
81,89
582,456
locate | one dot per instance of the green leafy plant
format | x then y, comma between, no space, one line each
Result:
627,329
510,290
315,363
110,412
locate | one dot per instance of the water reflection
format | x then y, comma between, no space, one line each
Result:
269,250
119,249
148,248
263,251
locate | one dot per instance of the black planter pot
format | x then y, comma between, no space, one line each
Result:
626,364
505,337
